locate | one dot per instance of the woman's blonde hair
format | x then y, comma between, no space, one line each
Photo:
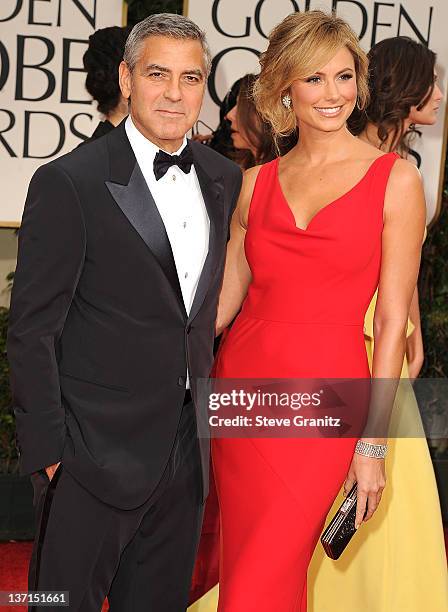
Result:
298,46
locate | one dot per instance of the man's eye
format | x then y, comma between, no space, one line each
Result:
156,75
191,78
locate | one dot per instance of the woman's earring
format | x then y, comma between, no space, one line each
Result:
358,106
286,101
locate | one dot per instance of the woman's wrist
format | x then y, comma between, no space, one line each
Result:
373,440
374,449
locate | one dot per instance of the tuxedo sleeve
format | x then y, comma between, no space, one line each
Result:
51,252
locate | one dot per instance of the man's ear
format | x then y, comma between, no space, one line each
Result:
125,80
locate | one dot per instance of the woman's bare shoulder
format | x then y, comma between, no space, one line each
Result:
404,192
404,176
249,179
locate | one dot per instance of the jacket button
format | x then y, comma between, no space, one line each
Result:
181,381
188,329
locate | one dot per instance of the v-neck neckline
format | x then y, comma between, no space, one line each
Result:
323,208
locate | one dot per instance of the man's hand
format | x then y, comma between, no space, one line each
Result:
51,469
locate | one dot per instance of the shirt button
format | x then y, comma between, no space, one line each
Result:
184,224
186,275
174,177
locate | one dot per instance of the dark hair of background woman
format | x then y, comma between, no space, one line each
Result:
256,130
101,61
401,75
221,140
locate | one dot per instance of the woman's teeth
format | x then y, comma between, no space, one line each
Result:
328,112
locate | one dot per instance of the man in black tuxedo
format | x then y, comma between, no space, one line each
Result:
121,255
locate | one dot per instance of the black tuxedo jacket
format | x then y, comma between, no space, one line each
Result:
99,339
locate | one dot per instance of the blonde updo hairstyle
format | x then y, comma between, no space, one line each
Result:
298,46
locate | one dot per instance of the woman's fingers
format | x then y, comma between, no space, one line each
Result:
372,504
370,477
361,505
348,484
367,500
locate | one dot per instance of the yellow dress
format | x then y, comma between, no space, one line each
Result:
207,603
396,562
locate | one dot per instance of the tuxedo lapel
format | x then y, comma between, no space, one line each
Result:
130,191
212,191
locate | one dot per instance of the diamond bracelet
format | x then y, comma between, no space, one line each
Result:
378,451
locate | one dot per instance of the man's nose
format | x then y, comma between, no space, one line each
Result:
173,91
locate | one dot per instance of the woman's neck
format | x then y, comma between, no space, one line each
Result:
120,112
116,116
370,135
317,147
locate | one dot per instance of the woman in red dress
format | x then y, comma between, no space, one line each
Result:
314,234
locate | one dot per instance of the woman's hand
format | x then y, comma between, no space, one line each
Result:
370,474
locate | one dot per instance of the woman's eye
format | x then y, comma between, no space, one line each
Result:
314,79
347,76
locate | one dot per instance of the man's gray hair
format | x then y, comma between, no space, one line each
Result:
164,24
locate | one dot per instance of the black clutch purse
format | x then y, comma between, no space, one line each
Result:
342,526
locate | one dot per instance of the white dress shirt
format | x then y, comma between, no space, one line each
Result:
179,200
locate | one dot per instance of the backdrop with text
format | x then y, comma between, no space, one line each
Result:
44,107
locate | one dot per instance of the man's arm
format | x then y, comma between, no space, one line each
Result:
51,253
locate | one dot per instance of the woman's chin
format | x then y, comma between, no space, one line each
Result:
238,142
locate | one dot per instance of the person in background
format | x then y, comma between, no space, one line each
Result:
383,564
242,134
251,135
221,140
401,99
101,61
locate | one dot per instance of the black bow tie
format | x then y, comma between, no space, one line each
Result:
163,162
